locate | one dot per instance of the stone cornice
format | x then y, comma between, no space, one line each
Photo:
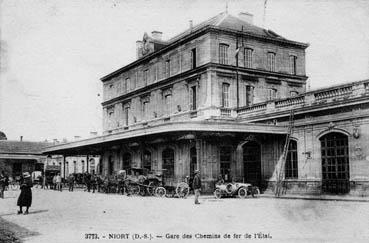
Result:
203,68
204,30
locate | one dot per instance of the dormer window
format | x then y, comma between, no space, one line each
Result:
223,53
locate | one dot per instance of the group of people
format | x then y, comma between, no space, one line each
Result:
4,183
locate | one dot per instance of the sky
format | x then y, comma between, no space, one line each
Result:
53,53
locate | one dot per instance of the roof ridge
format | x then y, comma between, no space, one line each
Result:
226,14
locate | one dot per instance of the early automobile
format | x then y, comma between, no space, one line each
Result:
231,189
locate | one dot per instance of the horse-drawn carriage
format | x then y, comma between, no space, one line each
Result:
141,181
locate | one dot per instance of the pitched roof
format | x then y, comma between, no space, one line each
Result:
228,21
223,21
22,147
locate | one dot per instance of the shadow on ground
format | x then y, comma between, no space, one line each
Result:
10,232
31,212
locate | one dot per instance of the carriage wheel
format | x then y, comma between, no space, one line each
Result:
151,188
242,192
182,190
218,193
160,191
134,189
142,191
255,192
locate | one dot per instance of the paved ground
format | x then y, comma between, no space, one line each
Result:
68,216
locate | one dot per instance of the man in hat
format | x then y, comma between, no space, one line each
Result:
197,186
25,197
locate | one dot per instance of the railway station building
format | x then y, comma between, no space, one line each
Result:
218,97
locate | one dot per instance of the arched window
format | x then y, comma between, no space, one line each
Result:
168,162
127,161
291,170
147,160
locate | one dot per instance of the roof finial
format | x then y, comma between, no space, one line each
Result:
226,7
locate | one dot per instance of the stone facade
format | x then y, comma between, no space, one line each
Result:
218,97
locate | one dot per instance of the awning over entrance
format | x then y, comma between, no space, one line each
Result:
96,145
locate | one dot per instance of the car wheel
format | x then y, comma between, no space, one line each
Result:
242,192
218,193
160,191
182,190
255,192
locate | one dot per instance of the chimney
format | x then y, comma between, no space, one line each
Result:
191,25
157,35
247,17
139,45
21,138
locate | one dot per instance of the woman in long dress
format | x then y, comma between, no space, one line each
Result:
25,197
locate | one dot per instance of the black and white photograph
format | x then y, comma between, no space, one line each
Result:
184,121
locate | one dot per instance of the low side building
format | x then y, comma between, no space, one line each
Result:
17,157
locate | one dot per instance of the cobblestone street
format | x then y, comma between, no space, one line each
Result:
68,216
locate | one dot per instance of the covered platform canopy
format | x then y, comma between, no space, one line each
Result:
160,133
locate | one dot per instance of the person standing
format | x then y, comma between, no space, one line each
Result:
58,181
2,184
197,186
71,183
25,197
88,181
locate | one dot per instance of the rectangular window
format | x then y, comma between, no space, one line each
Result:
291,169
225,162
145,76
271,61
156,72
248,58
128,84
193,57
126,116
293,60
168,104
110,111
272,94
249,95
167,69
193,98
145,105
134,81
225,95
223,54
